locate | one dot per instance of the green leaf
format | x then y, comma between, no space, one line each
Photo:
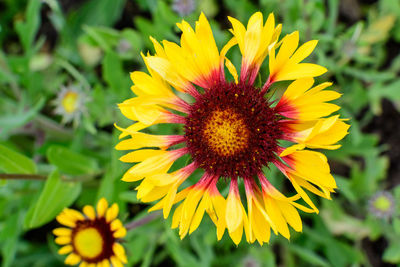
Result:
70,162
309,256
20,117
341,254
14,162
55,196
129,196
396,225
135,39
104,37
390,91
178,252
106,187
9,238
139,244
392,253
27,30
114,73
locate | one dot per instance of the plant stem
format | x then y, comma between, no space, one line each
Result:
137,223
17,176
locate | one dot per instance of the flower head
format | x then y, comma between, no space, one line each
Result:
70,103
92,237
231,130
382,204
184,7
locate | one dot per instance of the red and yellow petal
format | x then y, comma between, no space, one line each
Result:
318,134
254,42
140,140
159,163
302,103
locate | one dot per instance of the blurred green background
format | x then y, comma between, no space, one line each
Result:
90,46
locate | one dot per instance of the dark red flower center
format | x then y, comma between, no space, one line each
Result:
232,131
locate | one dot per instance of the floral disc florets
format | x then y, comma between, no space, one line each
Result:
232,131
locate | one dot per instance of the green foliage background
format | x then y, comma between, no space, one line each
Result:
96,43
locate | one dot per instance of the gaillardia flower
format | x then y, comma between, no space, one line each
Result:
231,130
91,238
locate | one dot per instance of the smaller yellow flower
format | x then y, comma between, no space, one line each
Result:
382,205
91,238
70,103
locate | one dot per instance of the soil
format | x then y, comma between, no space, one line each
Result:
387,126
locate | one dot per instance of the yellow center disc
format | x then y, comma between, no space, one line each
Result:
70,102
382,203
226,132
88,242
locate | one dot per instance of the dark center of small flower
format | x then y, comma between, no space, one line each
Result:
232,131
92,240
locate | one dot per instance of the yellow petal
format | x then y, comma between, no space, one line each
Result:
101,207
74,214
63,240
289,45
313,166
297,88
140,155
150,85
232,70
303,51
151,166
120,233
198,216
292,149
291,215
65,250
234,216
62,231
119,251
165,69
116,262
177,217
142,109
105,263
112,212
300,70
330,136
140,140
169,200
72,259
276,216
62,218
304,195
236,235
259,226
156,193
145,187
133,128
89,212
116,225
189,208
